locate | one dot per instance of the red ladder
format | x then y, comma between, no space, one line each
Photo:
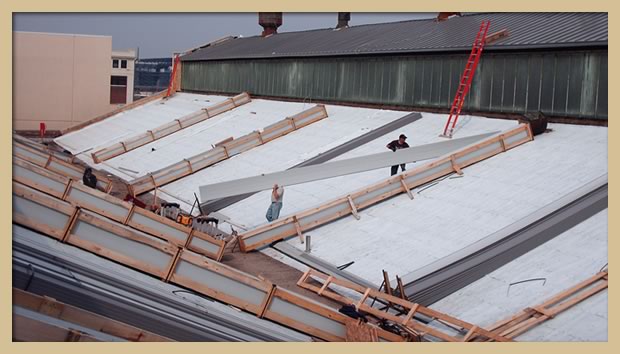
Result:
171,86
466,78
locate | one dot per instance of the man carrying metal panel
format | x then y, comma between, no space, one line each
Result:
397,145
277,194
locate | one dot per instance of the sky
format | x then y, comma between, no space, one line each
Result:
159,35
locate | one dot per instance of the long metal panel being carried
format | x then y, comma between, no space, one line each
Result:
351,203
455,271
57,165
163,260
335,168
120,211
323,157
231,148
169,128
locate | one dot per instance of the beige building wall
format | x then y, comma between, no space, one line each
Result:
130,56
59,79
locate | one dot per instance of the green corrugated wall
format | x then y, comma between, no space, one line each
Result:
563,83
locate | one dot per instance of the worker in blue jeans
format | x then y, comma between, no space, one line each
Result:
277,194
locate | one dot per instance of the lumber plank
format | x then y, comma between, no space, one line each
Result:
353,208
109,152
228,147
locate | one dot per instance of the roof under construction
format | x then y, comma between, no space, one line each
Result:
447,217
526,31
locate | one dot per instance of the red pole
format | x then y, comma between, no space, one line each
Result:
41,130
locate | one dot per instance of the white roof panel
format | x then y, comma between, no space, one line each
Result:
568,259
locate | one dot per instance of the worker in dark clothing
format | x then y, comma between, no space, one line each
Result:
397,145
89,178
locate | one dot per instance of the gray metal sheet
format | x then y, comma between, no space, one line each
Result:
335,168
46,267
455,271
527,30
326,156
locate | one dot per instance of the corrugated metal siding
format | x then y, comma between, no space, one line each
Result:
527,30
567,84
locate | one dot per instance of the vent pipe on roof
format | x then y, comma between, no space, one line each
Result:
446,15
343,19
270,22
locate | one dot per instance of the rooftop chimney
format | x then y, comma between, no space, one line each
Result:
343,19
270,22
446,15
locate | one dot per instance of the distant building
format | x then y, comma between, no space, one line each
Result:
152,75
64,79
122,78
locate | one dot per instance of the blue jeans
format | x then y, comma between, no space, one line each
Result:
274,211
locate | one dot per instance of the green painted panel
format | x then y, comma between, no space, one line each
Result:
563,83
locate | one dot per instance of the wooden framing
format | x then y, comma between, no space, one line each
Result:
56,165
43,149
496,36
530,317
205,284
370,195
111,207
405,187
27,329
408,321
224,150
168,128
53,308
298,229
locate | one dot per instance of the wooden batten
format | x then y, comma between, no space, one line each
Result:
405,187
173,264
53,308
74,218
266,301
229,147
530,317
408,319
48,160
164,130
455,165
353,208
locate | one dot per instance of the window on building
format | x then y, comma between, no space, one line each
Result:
118,89
123,64
115,63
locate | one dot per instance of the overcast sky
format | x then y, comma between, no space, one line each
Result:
159,35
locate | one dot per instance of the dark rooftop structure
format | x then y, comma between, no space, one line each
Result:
554,63
527,31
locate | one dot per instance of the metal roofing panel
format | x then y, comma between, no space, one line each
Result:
526,30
